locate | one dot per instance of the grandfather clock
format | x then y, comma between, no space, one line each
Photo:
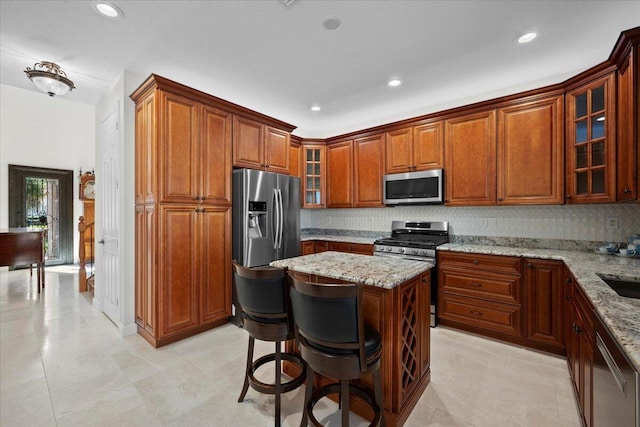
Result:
88,195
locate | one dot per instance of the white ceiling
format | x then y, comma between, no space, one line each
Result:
280,60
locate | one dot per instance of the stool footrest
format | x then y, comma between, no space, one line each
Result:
286,386
335,388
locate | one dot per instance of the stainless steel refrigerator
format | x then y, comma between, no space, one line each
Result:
266,219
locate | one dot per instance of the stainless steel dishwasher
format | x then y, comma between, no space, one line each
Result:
615,384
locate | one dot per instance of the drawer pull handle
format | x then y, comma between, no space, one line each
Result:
476,313
477,285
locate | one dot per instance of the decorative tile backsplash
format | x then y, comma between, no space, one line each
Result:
575,222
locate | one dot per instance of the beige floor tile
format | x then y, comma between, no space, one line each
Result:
27,404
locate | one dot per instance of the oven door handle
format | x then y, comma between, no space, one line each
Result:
405,257
613,367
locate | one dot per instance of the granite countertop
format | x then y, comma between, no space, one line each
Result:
339,238
621,315
383,272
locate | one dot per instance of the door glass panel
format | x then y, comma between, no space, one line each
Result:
317,169
317,197
309,168
316,182
316,155
581,156
310,197
597,181
581,183
581,105
309,184
597,154
581,131
42,209
597,127
309,155
597,99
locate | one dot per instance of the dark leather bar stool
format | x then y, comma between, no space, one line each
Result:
263,297
336,342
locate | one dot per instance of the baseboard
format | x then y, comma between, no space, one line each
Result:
129,329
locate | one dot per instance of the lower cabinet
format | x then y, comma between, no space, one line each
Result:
510,298
315,246
580,347
185,288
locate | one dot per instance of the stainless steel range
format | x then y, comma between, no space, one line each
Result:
416,240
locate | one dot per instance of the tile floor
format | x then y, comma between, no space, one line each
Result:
64,364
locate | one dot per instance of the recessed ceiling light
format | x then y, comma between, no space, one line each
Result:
331,23
526,38
315,108
107,9
394,82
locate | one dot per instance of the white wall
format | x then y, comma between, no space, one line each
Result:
37,130
566,222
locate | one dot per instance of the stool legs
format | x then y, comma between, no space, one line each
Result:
308,391
245,387
344,402
278,388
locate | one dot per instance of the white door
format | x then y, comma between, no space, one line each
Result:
110,217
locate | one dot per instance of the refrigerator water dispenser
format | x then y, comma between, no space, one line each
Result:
257,220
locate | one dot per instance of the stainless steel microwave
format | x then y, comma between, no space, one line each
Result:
424,187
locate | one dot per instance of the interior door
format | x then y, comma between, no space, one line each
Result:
110,218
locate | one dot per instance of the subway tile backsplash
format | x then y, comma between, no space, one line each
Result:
566,222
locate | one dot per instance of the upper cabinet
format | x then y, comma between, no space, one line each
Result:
313,176
258,146
530,162
340,174
368,169
590,142
627,149
294,157
415,148
470,159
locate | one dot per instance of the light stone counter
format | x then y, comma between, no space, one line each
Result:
383,272
620,314
339,238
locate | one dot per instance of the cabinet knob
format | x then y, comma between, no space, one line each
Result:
568,196
476,313
569,280
568,298
499,199
529,265
197,209
203,198
476,262
202,210
626,190
477,285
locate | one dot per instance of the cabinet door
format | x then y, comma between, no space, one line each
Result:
399,148
179,149
313,176
470,158
145,269
544,301
294,161
248,143
308,247
215,167
177,268
340,175
531,153
590,142
369,168
428,147
627,166
586,366
146,150
276,150
215,261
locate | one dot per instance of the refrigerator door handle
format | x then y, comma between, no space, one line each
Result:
276,219
280,204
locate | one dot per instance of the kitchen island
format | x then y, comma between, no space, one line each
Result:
396,299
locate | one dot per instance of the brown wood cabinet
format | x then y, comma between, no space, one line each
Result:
495,296
295,155
590,142
258,146
183,212
530,152
627,132
340,174
313,176
353,248
368,171
580,347
470,159
415,148
308,247
544,298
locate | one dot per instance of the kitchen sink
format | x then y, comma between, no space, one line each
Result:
624,288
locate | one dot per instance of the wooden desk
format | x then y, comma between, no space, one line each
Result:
21,246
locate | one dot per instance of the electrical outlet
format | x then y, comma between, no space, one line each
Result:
493,222
483,222
612,223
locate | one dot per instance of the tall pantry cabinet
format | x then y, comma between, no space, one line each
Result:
183,212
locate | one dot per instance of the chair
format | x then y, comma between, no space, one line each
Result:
336,342
263,298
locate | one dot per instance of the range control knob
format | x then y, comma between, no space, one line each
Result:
401,250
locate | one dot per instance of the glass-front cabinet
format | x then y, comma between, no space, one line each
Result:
313,175
590,142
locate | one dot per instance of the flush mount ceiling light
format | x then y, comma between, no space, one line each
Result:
107,9
288,3
526,38
394,83
331,23
315,108
49,78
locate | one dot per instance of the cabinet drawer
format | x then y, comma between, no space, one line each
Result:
491,263
503,318
486,286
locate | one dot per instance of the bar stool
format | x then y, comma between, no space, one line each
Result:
263,298
337,343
